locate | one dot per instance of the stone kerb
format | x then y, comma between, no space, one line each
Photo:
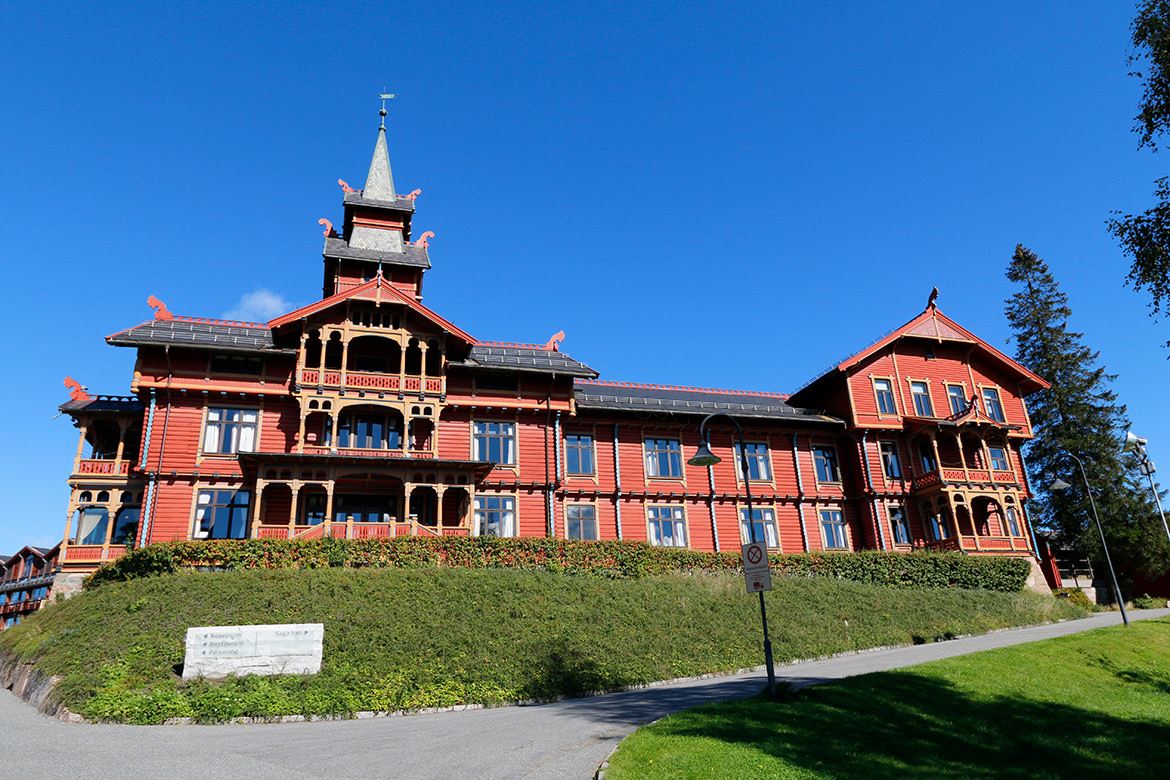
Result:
225,651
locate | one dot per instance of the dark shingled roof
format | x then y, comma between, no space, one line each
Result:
522,358
413,256
200,334
655,398
356,199
102,403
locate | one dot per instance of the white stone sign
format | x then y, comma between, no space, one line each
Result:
224,651
756,573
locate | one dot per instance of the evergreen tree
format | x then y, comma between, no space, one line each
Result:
1145,237
1078,414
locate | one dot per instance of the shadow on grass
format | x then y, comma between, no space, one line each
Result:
896,725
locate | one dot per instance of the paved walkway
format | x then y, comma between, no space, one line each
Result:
563,740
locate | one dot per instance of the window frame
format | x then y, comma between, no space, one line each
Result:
924,395
234,509
676,516
766,522
481,441
1011,519
580,449
220,426
996,403
761,459
569,520
1001,463
505,508
672,456
879,395
832,466
833,519
961,397
889,458
900,525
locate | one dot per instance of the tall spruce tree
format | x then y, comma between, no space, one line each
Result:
1078,414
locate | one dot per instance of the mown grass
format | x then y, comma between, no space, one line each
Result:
409,639
1092,705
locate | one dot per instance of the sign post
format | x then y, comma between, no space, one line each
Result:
756,573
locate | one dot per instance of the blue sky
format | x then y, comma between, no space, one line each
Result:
723,195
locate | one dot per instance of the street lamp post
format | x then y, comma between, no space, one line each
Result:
704,457
1060,484
1137,445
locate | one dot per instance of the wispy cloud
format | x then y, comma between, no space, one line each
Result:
259,306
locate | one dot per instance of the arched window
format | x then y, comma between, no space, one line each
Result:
413,358
333,352
434,358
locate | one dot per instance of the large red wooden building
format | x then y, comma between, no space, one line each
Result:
368,414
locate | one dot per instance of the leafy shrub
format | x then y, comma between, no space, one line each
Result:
1146,601
1076,597
616,559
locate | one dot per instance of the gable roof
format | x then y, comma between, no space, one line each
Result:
933,325
379,287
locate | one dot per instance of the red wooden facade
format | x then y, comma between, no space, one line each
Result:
367,414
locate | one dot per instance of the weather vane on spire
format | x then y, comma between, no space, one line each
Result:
385,96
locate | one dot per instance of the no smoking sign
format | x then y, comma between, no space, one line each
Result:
757,575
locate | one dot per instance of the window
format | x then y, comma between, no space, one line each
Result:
991,404
364,508
1013,521
222,514
833,527
920,392
314,509
958,398
495,442
999,460
663,458
758,465
91,525
495,515
891,466
579,455
825,460
230,431
936,524
899,525
926,453
761,529
222,363
125,525
369,431
667,526
884,390
581,522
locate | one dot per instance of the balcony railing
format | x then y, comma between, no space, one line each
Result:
998,544
356,531
91,553
317,450
939,476
364,380
115,468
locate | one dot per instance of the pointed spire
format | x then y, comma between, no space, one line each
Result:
379,181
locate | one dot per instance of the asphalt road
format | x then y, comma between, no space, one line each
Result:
563,740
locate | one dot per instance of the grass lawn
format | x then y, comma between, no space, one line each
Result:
414,638
1091,705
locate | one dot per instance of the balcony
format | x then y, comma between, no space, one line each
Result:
91,554
364,381
106,468
950,475
352,530
351,452
980,544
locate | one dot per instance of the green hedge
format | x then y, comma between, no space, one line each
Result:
608,559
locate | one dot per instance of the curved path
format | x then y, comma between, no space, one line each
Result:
563,740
